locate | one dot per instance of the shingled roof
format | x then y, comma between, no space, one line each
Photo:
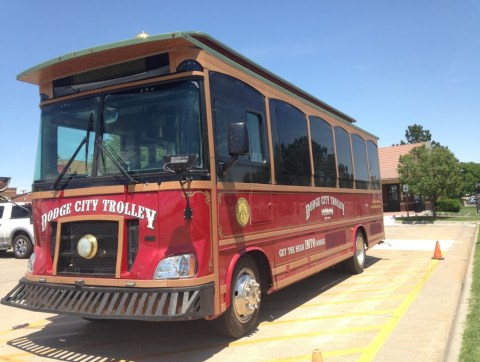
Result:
389,158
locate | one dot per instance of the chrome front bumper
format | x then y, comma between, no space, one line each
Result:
155,304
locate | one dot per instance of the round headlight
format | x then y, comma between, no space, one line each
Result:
87,246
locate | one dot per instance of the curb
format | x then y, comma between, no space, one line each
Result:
454,343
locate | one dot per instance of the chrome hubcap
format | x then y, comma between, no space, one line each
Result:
246,296
360,251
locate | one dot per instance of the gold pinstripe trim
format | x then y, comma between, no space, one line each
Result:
118,189
110,282
286,231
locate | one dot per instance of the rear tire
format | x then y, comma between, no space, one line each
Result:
245,297
356,263
22,246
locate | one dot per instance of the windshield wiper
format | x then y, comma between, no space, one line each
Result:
69,163
117,161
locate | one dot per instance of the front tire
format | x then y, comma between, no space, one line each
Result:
22,246
245,297
356,263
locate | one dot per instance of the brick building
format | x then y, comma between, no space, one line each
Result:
392,190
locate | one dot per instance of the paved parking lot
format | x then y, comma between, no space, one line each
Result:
401,308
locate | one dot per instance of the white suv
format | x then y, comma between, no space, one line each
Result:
16,229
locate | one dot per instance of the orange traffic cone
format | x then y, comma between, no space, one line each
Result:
317,356
438,252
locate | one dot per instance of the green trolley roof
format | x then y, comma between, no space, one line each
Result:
200,40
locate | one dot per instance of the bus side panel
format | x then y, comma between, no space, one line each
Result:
245,215
307,232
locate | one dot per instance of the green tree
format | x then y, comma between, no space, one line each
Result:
416,134
470,172
431,172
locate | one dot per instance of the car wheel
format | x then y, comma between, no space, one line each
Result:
22,246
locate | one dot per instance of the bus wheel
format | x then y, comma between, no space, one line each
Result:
356,263
241,316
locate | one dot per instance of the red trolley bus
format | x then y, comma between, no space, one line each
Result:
176,179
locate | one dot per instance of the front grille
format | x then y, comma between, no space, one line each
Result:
103,263
156,304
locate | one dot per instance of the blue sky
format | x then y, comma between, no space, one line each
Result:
388,64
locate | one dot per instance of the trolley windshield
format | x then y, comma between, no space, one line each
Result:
121,137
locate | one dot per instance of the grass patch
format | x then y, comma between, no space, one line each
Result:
466,213
471,337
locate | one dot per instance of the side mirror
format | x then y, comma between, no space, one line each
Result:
238,144
4,182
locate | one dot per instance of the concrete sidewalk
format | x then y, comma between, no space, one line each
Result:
431,328
389,217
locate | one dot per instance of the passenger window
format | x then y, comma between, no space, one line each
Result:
290,138
1,211
324,166
360,162
373,165
344,158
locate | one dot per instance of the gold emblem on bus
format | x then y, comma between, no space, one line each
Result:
242,211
